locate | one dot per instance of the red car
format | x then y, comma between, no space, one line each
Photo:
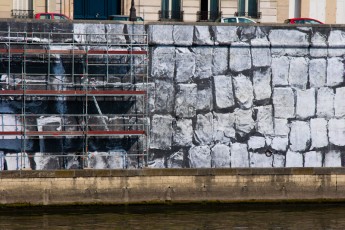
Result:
53,16
302,21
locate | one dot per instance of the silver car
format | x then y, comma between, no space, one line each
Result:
236,20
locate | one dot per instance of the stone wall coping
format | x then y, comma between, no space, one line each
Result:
170,172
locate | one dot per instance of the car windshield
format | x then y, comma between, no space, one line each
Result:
244,20
230,20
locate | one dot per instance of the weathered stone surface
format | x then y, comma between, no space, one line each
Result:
336,40
244,92
240,57
202,35
225,35
339,102
115,33
160,34
163,62
244,122
223,127
185,101
306,103
185,65
220,60
290,42
164,96
335,71
325,102
239,155
161,132
183,133
317,72
261,52
23,163
220,154
336,131
183,35
259,160
264,121
175,160
318,129
278,161
256,142
299,136
298,72
313,159
157,163
203,62
204,99
281,127
280,143
223,91
139,31
199,157
283,102
262,85
89,33
333,159
293,159
280,71
204,129
318,46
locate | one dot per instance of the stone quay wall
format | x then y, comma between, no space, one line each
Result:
151,186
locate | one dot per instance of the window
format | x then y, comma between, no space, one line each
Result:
171,9
22,9
248,8
209,10
45,16
230,20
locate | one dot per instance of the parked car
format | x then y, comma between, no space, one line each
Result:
53,16
236,20
302,21
123,18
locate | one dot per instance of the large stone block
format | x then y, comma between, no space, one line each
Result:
160,34
183,35
183,133
244,92
260,160
317,72
164,96
319,137
298,72
203,62
306,103
240,57
336,131
264,120
281,127
299,136
256,142
293,159
220,154
176,160
204,100
185,65
280,71
203,132
261,53
288,42
262,84
223,127
335,71
163,62
325,102
333,159
283,102
224,96
202,36
220,60
185,101
339,102
280,144
199,157
225,35
87,32
244,123
318,46
239,155
115,34
278,161
161,132
336,41
137,33
313,159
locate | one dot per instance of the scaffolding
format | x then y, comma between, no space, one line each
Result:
73,100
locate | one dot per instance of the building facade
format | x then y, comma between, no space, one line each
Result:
264,11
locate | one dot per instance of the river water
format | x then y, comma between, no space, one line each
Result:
215,216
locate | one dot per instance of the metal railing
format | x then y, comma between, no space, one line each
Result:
256,15
169,15
22,13
209,16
